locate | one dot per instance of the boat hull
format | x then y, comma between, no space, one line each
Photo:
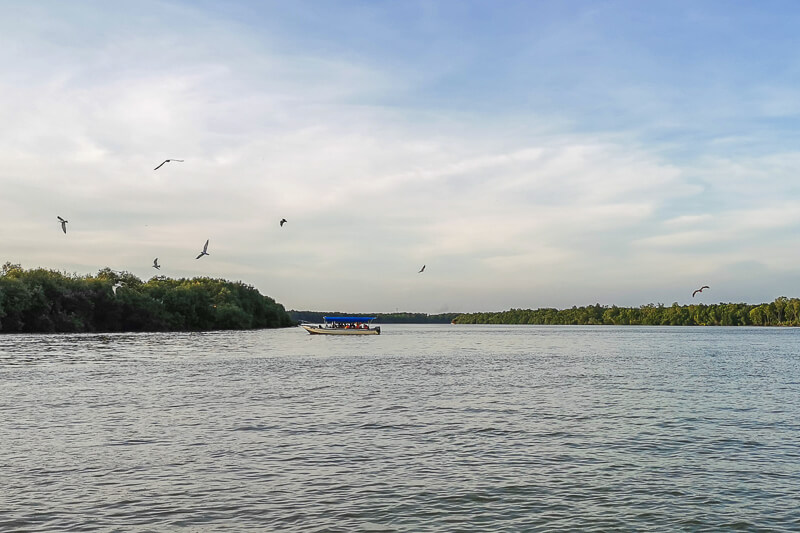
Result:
313,330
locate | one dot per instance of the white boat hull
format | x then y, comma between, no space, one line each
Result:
341,331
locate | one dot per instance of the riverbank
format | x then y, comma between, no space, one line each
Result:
781,312
46,301
380,318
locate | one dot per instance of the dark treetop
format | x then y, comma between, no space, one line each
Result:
782,312
380,318
46,301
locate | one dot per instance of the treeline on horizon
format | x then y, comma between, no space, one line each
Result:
782,312
47,301
380,318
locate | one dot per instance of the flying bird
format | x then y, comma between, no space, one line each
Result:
155,264
421,270
700,290
168,161
116,286
63,223
204,252
283,221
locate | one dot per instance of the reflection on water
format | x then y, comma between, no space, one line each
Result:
424,428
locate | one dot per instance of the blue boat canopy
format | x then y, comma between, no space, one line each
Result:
348,318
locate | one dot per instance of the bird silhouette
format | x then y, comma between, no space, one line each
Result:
168,161
204,252
700,290
155,264
283,221
63,223
421,270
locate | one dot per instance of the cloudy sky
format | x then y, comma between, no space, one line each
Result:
530,154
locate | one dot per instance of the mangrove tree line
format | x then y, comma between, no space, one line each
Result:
380,318
40,300
782,312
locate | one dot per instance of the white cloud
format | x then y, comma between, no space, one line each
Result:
688,220
502,217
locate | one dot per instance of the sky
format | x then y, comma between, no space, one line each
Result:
530,154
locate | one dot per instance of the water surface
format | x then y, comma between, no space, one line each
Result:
423,428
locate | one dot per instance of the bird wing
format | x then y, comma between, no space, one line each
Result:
704,287
64,227
199,256
695,292
205,247
161,165
61,219
421,269
178,160
155,262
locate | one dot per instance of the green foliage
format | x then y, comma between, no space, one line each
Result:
40,300
380,318
782,312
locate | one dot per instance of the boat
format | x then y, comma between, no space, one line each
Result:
344,325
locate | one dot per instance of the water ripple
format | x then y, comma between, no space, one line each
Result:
425,428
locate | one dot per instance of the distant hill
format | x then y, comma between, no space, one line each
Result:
46,301
381,318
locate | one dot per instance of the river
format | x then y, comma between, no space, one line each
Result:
434,428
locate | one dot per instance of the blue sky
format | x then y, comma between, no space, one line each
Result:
530,153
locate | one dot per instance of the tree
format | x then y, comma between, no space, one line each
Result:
42,300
